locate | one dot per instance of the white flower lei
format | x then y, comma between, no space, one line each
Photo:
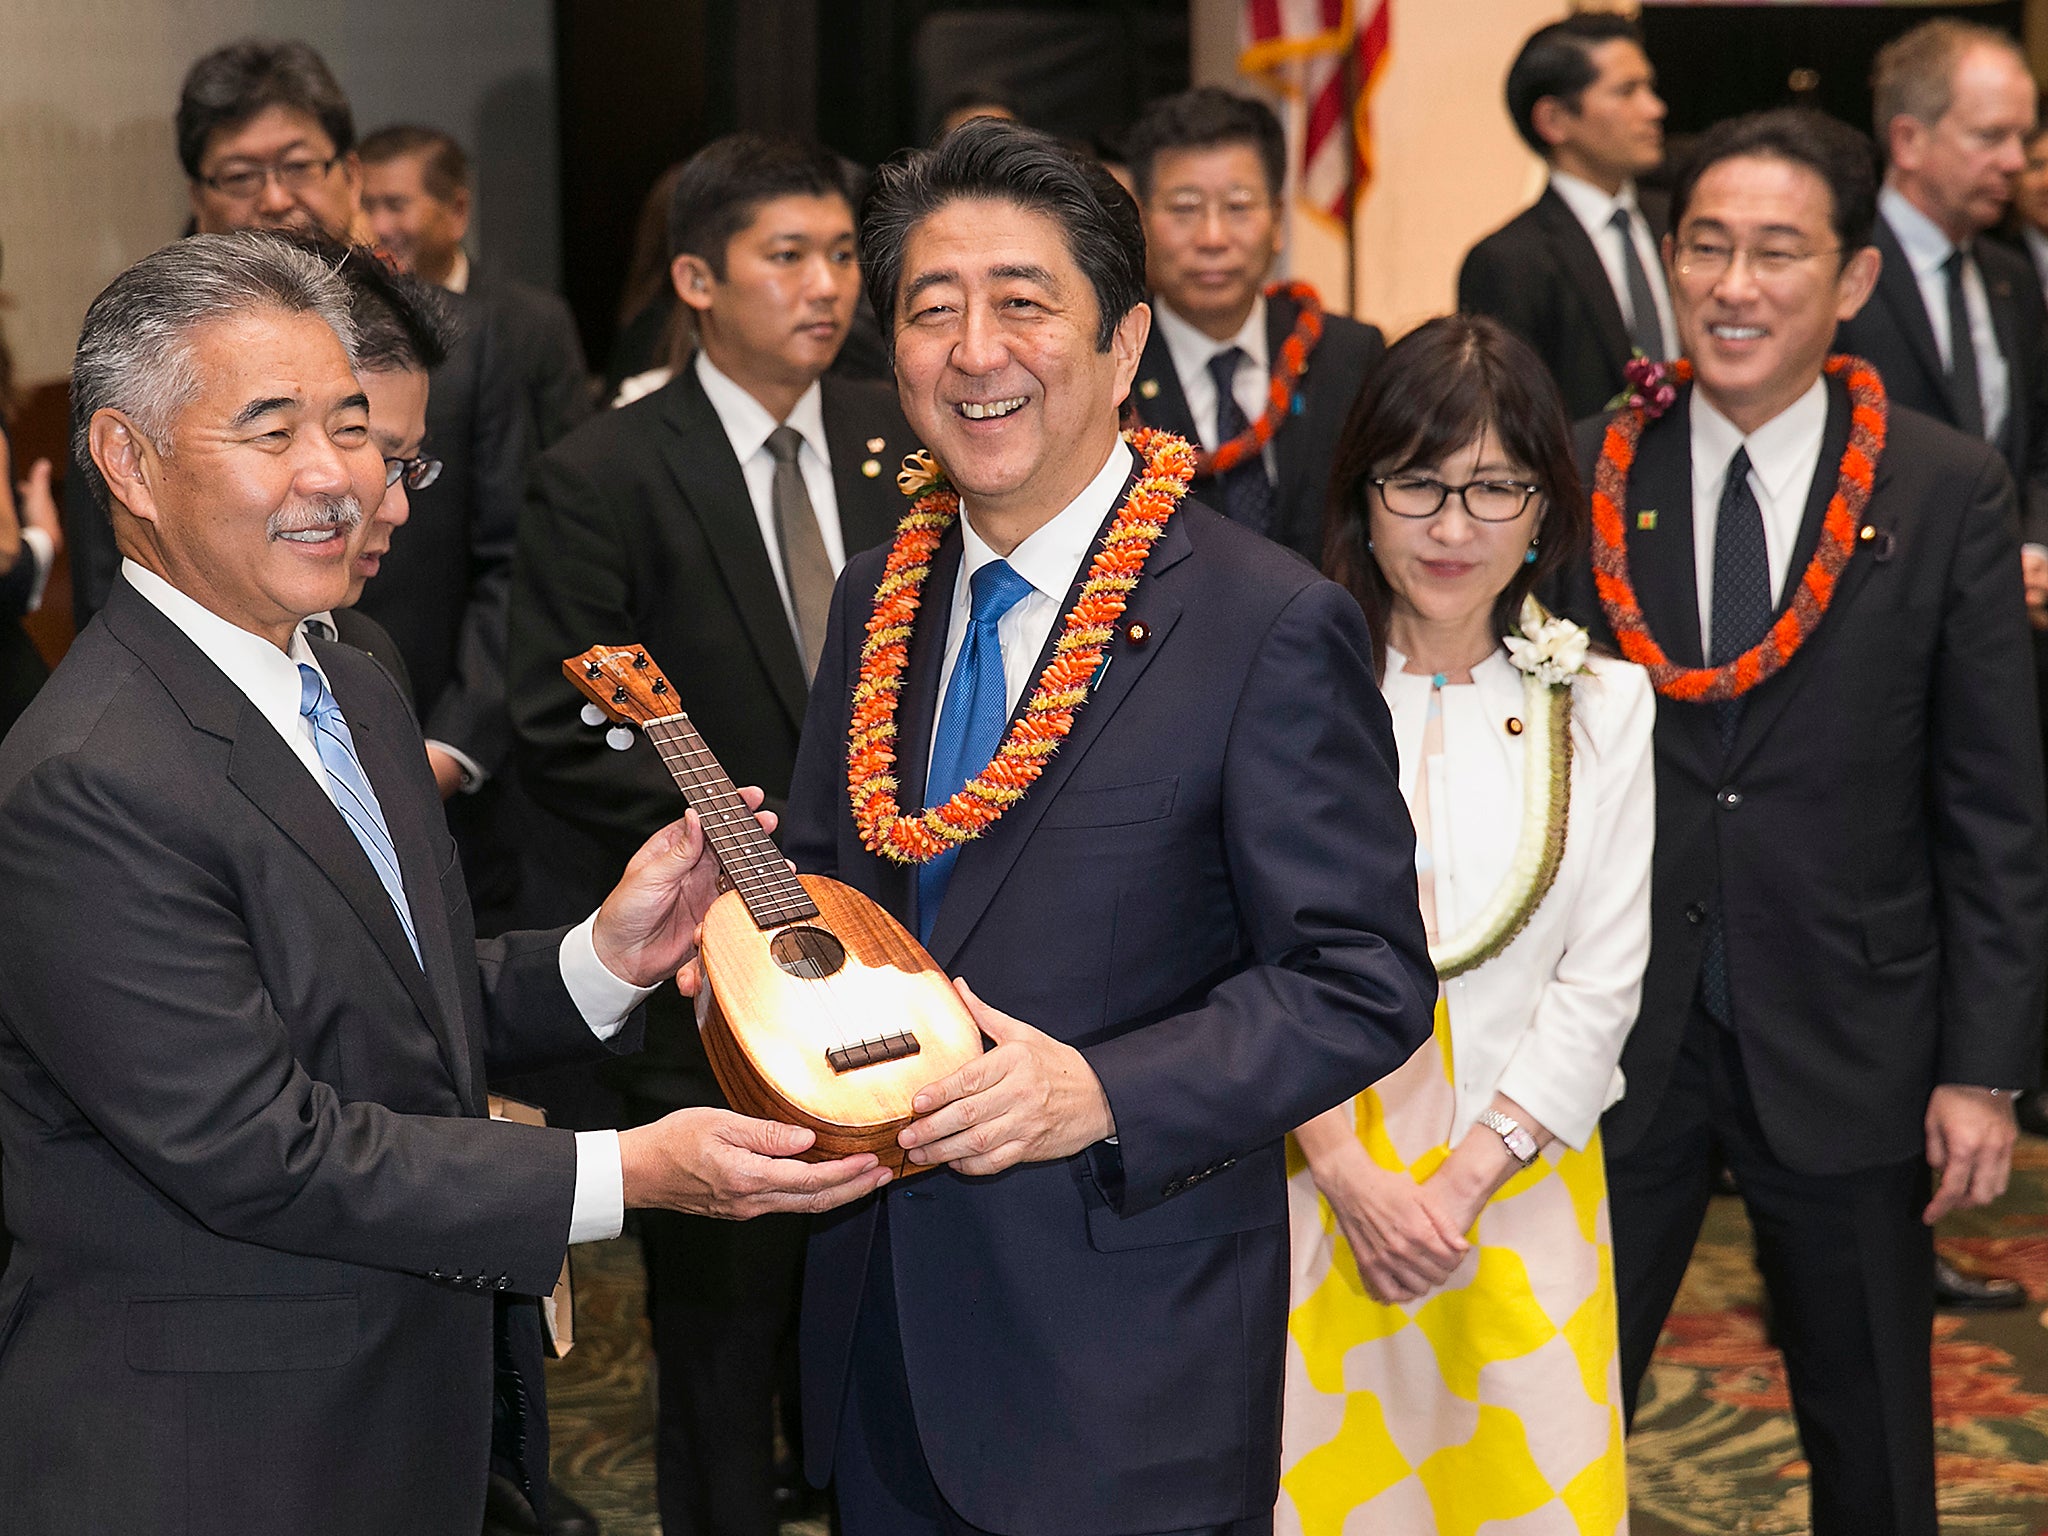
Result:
1550,653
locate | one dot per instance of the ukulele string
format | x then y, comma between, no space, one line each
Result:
783,901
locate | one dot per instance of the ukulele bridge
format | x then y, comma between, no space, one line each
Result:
869,1053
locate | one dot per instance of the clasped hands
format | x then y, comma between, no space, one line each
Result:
1030,1098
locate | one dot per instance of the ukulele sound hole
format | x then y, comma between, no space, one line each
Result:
809,954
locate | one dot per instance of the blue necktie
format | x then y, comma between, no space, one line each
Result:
971,721
353,796
1244,495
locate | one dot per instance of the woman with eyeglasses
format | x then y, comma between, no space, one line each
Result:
1453,1338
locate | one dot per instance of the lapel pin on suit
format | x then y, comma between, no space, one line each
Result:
1148,389
876,444
871,467
1646,520
1880,541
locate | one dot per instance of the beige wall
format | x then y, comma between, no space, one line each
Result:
89,176
1450,166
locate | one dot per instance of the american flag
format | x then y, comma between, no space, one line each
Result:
1328,54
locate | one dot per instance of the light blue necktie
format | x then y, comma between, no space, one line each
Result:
971,721
353,796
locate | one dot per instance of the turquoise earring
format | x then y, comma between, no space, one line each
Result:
1529,556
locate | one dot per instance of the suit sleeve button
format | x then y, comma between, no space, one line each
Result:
1696,913
1728,799
504,1283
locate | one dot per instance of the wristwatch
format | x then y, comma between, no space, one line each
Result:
1520,1144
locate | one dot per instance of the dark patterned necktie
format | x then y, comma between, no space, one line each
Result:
1742,613
1244,495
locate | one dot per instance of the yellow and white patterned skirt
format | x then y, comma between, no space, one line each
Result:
1491,1406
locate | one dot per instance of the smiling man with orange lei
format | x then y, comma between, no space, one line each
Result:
1121,765
1848,902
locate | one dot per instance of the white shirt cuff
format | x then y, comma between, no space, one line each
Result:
43,550
2032,549
602,998
600,1209
473,775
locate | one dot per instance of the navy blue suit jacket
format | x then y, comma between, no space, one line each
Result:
1210,892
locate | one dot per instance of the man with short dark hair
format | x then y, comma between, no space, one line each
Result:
706,522
268,142
416,201
1210,167
273,1266
1076,1321
1850,897
1576,274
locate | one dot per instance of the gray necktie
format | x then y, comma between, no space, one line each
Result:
1646,330
805,565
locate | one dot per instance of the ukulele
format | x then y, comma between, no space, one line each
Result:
823,1012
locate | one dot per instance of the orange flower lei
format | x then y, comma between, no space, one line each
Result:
1294,356
1062,688
1731,680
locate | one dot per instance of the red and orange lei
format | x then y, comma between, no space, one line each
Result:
1294,355
1062,688
1867,422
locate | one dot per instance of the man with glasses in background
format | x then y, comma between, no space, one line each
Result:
1210,168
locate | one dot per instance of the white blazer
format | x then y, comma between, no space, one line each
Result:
1544,1020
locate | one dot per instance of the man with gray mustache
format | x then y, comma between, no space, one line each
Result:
245,1022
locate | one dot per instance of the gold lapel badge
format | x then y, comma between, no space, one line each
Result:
871,467
1149,389
875,445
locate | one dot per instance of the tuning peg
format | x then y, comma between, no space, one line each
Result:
619,737
592,715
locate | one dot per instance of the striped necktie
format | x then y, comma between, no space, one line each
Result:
353,796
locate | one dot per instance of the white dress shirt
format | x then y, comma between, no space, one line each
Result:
1784,456
269,679
1594,209
1049,559
1251,386
747,426
40,550
1927,250
1544,1020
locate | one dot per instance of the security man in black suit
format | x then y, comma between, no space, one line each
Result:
1850,898
1576,274
1210,167
707,522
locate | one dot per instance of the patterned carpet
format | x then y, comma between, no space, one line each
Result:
1714,1449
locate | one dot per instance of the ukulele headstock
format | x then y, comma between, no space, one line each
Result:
622,684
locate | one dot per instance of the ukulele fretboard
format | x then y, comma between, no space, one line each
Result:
751,861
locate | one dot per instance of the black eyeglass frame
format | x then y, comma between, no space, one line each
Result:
292,175
1530,491
418,473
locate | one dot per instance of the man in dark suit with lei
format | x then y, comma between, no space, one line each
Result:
1850,896
1075,1324
1210,168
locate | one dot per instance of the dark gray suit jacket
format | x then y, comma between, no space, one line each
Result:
1892,333
261,1225
1540,276
638,529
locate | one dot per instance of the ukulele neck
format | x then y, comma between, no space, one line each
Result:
750,859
